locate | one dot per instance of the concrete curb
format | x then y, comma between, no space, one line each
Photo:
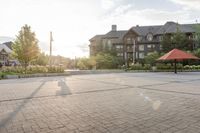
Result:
35,75
67,73
83,72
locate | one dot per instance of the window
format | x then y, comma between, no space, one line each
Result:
130,48
190,37
139,38
149,37
119,54
129,41
141,47
149,46
160,38
161,47
109,43
136,55
104,43
141,55
119,47
195,37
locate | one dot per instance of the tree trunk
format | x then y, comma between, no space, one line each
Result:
25,66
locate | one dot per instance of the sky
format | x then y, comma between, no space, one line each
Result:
74,22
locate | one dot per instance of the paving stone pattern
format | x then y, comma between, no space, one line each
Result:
102,103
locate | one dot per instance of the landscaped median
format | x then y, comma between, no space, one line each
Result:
38,71
32,71
159,67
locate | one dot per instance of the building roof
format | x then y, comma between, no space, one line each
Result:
96,37
8,44
168,27
171,27
6,48
115,34
144,30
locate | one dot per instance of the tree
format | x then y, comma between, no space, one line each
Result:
42,59
197,35
177,40
107,61
86,63
100,48
181,41
197,52
25,47
151,58
166,43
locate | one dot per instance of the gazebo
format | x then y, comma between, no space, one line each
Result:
177,55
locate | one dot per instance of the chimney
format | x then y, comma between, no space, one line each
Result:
114,28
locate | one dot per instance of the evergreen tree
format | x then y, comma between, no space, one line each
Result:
197,35
180,41
25,47
166,44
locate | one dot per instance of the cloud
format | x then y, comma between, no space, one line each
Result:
131,17
44,46
75,22
5,39
188,4
110,5
157,16
84,47
107,4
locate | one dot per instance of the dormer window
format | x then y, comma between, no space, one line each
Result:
129,41
139,38
149,37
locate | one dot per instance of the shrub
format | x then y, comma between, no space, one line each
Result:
151,58
192,67
168,66
139,67
32,70
107,61
136,67
86,63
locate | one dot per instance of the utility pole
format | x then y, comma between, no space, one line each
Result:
50,55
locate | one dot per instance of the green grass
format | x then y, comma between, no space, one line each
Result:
3,74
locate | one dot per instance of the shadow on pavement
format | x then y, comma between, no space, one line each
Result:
12,115
64,89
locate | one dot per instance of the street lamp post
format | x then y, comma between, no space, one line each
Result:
50,54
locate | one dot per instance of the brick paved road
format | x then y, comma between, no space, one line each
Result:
104,103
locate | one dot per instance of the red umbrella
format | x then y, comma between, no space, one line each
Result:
177,54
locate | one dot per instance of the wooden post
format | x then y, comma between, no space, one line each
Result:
175,68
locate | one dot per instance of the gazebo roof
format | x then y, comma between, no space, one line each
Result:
177,54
